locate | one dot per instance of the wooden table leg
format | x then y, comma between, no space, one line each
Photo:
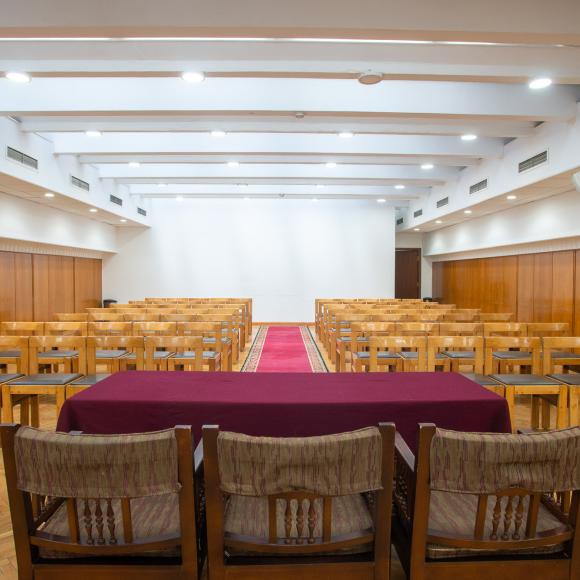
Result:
7,411
511,401
536,404
574,396
562,420
60,398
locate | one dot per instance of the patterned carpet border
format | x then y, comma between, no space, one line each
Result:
253,359
316,361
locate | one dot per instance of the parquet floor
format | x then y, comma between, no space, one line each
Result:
48,421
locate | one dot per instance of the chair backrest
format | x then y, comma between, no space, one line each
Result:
563,344
22,328
436,344
397,344
18,344
515,472
180,317
431,316
141,317
460,329
65,328
38,344
305,472
417,329
543,329
460,316
110,328
106,316
93,478
532,345
154,328
134,344
495,317
177,344
71,317
504,329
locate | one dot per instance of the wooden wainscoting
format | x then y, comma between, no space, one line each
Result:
35,286
541,287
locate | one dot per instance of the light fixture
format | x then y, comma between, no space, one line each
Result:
331,164
233,163
467,211
346,134
134,164
93,133
242,185
416,229
438,222
93,210
320,186
511,197
370,78
218,133
540,83
468,137
123,221
193,77
314,199
162,185
49,194
427,166
381,200
399,186
246,198
179,198
18,77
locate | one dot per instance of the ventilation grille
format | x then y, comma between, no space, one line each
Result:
21,158
477,187
443,202
418,213
400,221
80,183
534,161
141,211
115,199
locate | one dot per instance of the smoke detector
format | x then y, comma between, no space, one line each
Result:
370,78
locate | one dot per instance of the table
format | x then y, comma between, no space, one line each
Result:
283,404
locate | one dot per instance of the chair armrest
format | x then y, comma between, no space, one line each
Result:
526,431
404,484
403,452
198,457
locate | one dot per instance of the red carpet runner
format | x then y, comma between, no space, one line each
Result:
284,349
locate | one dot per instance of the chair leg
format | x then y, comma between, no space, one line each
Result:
562,420
574,395
25,412
536,404
510,398
60,398
34,411
546,419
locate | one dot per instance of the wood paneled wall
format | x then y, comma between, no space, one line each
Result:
35,286
535,287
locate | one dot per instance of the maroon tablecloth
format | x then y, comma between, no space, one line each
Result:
283,404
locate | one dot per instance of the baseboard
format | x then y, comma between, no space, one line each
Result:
282,323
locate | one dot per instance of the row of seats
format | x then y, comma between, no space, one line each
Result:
325,507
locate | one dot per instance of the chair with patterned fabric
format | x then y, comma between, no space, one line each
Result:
299,507
102,506
483,506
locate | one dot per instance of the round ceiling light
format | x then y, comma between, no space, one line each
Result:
370,78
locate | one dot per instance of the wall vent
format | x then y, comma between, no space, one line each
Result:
532,162
115,199
400,221
21,158
477,187
80,183
418,213
141,211
442,202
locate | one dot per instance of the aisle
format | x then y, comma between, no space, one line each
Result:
284,349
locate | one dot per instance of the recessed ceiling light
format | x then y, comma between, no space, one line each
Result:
179,198
134,164
438,222
468,137
467,211
399,186
93,133
242,185
93,210
123,221
247,198
193,77
331,164
18,77
320,186
346,134
416,229
49,194
427,166
162,185
540,83
381,200
370,78
233,163
512,197
314,199
218,133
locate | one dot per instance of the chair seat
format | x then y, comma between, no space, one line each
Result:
9,354
91,379
6,378
381,354
248,516
512,355
212,340
100,354
524,380
54,379
58,354
158,354
454,513
569,379
208,354
459,354
482,380
413,355
556,354
151,516
347,339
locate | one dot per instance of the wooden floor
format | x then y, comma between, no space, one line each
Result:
48,421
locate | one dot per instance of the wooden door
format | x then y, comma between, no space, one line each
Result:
407,273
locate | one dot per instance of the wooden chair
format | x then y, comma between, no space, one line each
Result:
572,381
509,352
460,317
154,328
230,330
496,317
505,329
82,384
28,404
357,340
21,328
301,512
187,352
460,329
110,328
417,329
474,506
14,351
487,382
136,523
560,352
71,317
141,317
115,353
214,340
546,329
455,352
106,316
53,352
65,328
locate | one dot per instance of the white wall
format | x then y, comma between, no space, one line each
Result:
25,221
283,253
